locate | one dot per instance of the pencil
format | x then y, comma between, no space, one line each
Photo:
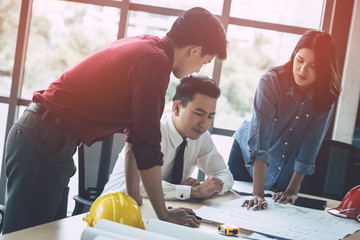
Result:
197,217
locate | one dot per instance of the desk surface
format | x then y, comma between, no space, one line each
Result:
72,227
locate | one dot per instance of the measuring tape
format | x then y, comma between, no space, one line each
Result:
229,229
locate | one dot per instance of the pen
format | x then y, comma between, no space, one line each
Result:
197,217
250,194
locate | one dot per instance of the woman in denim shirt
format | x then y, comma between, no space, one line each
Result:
292,111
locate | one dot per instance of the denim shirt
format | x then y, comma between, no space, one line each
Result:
285,131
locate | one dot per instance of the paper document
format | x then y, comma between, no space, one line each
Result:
281,220
91,233
183,232
114,230
155,229
261,236
104,238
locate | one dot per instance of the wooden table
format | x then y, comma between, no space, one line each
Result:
71,228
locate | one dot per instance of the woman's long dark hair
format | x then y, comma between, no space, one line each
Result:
328,82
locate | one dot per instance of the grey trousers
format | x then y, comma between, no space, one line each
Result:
39,164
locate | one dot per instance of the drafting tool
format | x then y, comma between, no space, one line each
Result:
202,219
197,217
229,229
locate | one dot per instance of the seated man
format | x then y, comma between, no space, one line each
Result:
193,110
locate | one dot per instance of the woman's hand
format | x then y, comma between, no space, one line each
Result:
256,203
290,193
285,197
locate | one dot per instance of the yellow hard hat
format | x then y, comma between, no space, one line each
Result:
118,207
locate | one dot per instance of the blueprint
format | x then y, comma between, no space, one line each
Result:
281,220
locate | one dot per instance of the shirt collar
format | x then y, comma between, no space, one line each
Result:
168,48
175,138
291,91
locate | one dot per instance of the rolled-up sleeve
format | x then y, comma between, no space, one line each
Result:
305,162
171,191
150,81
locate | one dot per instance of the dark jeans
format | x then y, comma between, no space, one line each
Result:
237,165
39,164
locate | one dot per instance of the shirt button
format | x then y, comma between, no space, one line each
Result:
290,129
286,143
307,115
279,168
297,117
283,156
302,103
275,119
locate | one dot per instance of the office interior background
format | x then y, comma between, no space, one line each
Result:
40,39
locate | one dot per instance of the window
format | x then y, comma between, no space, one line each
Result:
148,23
62,34
261,34
9,20
3,118
215,6
251,52
303,13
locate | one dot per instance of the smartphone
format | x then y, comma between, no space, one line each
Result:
310,203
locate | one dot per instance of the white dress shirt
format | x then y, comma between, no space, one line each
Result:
200,152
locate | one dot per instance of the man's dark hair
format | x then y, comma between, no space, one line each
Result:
191,85
197,26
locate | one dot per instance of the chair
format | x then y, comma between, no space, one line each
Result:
353,174
333,175
2,213
95,164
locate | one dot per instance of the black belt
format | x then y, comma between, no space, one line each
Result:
50,116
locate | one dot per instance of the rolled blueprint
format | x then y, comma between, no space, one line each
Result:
91,233
181,232
125,230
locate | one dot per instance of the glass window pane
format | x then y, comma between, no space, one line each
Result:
3,119
170,93
148,23
250,53
62,34
304,13
21,110
223,145
214,6
73,186
9,22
